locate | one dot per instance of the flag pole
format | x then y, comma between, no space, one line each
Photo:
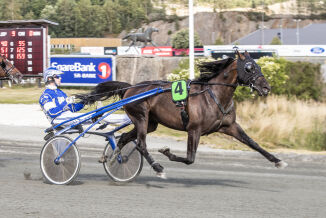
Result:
191,40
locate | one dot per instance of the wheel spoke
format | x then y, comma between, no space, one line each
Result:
125,171
68,166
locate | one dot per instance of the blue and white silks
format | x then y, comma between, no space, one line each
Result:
54,104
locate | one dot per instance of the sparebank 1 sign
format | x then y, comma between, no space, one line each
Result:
84,70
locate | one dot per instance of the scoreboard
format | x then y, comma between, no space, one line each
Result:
25,48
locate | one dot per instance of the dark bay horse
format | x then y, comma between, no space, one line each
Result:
209,107
9,71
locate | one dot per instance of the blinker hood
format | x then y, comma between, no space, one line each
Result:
244,77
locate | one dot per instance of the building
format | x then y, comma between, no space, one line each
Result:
77,43
313,34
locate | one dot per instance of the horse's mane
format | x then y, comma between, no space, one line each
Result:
212,69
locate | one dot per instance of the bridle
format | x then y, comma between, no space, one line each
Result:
7,71
247,72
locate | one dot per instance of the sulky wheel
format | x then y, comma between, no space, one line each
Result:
126,166
67,168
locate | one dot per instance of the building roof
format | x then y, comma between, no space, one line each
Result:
26,23
313,34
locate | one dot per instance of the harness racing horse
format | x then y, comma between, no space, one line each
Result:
9,71
209,107
144,37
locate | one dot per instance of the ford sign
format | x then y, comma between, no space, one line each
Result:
84,69
317,50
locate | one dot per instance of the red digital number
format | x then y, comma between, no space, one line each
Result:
20,50
13,33
21,43
4,50
4,43
20,56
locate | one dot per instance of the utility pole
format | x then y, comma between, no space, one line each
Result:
262,24
12,9
297,33
281,32
191,41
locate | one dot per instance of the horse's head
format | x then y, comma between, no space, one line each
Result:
150,30
249,74
7,69
154,29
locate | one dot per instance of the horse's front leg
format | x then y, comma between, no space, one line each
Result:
192,144
236,131
155,45
131,44
144,44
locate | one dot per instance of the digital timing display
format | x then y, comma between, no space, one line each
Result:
24,48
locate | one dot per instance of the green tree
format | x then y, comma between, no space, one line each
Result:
182,72
49,12
181,39
97,22
305,80
276,41
66,11
219,41
84,21
29,16
10,10
37,6
112,17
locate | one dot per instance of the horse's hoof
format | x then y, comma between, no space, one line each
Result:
164,150
281,164
103,159
157,167
161,175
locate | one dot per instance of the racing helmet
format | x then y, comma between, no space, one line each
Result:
50,72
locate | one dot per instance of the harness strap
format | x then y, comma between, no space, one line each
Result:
219,84
224,112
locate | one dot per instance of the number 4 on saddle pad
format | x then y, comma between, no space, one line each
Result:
179,91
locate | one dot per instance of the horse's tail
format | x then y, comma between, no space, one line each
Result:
104,91
126,37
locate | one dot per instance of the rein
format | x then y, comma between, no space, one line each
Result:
130,87
7,72
163,83
218,84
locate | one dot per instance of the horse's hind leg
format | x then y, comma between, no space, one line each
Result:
236,131
192,144
131,44
143,126
132,135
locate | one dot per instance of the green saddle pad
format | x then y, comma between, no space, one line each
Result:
179,90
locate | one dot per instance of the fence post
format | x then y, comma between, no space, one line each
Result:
39,82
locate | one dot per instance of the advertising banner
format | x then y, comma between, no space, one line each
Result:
162,51
281,50
199,51
110,50
125,50
92,50
84,70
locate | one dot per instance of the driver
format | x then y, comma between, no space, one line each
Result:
58,107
